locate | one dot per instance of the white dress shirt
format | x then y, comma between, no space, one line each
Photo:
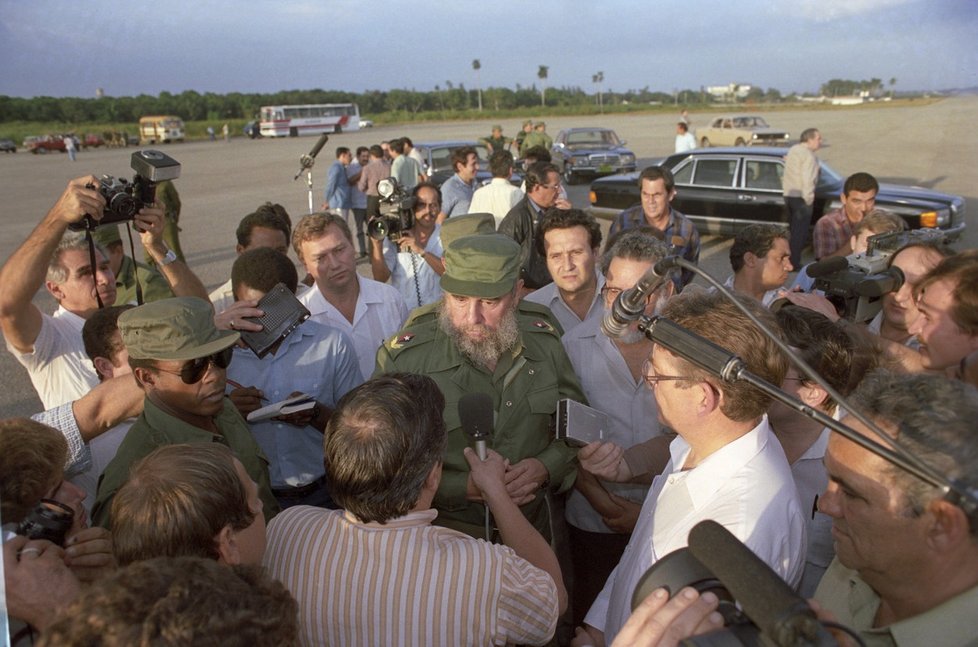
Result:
746,486
497,198
379,313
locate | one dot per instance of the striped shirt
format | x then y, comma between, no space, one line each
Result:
405,582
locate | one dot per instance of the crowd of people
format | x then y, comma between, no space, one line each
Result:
175,511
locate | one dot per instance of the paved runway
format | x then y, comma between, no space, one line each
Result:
933,145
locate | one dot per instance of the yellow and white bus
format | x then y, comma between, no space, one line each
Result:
311,119
160,129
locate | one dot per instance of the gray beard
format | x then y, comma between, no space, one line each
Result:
484,353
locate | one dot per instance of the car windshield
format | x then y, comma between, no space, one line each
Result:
593,138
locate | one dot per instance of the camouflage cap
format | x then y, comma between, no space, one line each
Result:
541,124
498,127
528,122
481,265
173,329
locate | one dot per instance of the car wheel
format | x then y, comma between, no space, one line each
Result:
293,132
569,176
338,129
705,143
740,142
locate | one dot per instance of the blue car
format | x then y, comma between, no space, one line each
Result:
590,152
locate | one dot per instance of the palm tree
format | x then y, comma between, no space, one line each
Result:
476,65
542,74
598,80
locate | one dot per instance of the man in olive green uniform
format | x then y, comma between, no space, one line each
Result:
538,137
480,338
497,141
127,270
179,358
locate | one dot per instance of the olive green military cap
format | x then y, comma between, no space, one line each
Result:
473,223
528,122
541,123
106,235
173,329
498,127
482,265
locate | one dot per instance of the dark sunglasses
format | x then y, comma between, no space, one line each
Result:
193,371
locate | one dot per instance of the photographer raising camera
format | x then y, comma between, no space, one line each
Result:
411,257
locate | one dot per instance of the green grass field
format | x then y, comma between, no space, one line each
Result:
18,130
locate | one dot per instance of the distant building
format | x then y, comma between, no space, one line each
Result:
729,92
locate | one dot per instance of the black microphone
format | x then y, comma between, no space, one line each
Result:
700,351
306,161
319,145
630,304
780,613
476,414
827,266
889,280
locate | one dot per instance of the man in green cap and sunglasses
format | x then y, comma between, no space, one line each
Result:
178,357
479,338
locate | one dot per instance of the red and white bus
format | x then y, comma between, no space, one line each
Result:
312,119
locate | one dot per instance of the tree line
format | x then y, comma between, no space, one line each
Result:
447,97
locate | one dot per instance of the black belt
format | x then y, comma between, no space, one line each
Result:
299,491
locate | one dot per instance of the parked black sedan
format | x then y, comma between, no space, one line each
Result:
438,161
590,151
724,189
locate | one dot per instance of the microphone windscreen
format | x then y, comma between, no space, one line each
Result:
827,266
319,145
476,414
763,595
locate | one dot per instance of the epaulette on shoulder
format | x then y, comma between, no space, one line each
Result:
535,317
411,337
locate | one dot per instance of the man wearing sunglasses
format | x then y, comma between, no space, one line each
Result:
178,357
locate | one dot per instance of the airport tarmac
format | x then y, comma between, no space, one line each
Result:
932,145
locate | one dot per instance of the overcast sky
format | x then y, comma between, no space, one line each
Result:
129,47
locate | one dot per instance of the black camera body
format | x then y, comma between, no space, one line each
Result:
50,520
396,211
856,289
124,199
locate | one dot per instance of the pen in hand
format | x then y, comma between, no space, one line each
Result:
241,386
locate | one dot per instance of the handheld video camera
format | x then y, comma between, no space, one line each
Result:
396,211
124,199
856,284
757,606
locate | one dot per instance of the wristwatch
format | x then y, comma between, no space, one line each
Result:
169,257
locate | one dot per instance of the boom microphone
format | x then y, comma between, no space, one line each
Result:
476,414
781,614
630,304
306,161
700,351
827,266
319,145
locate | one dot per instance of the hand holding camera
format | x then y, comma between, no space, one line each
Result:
121,199
81,199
